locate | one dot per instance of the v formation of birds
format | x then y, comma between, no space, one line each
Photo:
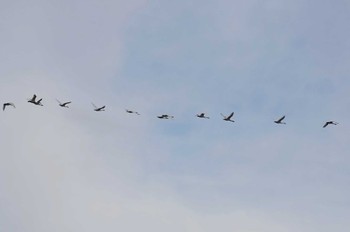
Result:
228,118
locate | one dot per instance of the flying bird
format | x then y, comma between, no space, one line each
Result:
33,100
132,112
280,121
202,115
64,104
8,104
228,118
102,108
165,116
330,123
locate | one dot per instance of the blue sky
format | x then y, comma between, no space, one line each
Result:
78,170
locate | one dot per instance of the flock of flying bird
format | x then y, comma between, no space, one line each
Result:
228,118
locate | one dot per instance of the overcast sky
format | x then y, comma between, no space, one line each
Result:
79,170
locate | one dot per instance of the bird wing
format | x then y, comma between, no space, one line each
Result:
8,104
230,116
281,119
223,115
326,124
58,101
66,103
33,98
94,105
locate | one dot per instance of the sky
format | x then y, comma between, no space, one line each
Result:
79,170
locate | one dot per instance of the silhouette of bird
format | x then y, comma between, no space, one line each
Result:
8,104
202,115
165,116
65,104
132,112
98,108
228,118
279,121
330,123
33,100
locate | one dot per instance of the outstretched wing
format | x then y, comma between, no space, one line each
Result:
230,116
281,119
326,124
33,98
94,105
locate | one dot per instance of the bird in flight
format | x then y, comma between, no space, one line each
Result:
33,100
165,116
280,121
202,115
64,104
8,104
228,118
330,123
102,108
132,112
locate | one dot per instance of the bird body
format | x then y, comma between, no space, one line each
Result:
279,121
8,104
33,101
100,109
202,115
64,104
132,112
97,109
228,118
165,116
